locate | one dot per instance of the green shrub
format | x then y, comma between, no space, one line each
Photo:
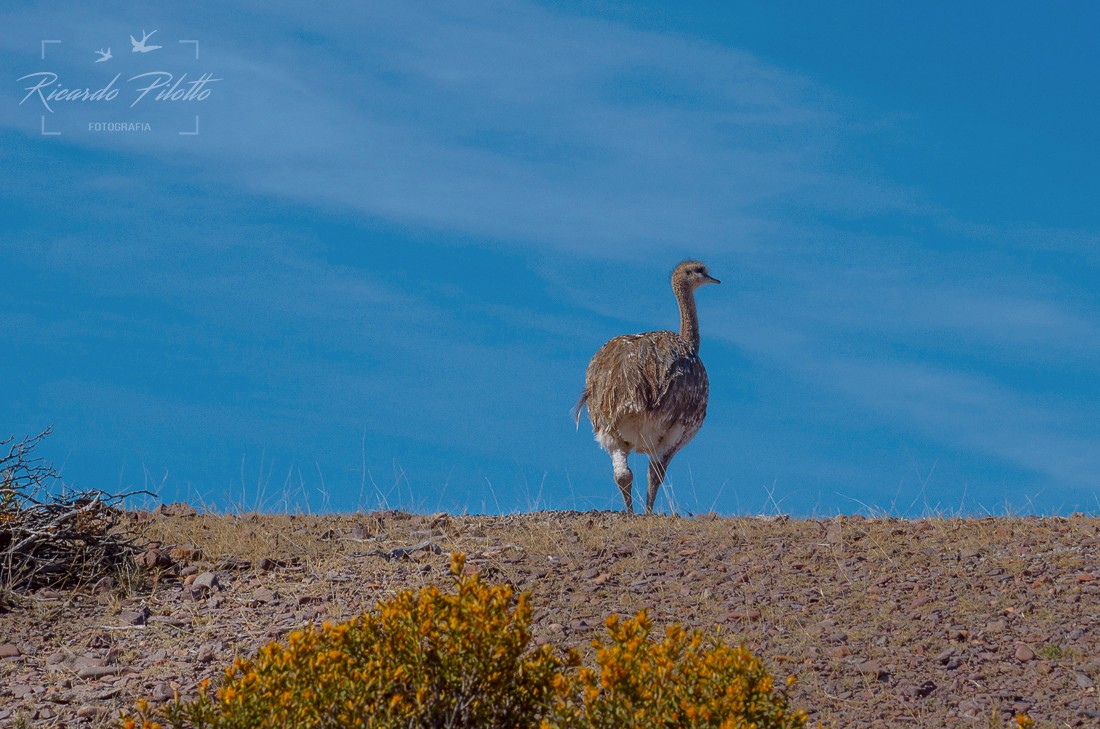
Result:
435,659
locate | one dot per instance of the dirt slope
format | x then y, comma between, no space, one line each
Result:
938,622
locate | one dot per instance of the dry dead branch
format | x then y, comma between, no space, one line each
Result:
53,535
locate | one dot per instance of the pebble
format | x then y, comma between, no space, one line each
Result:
100,671
204,583
9,650
1024,654
134,617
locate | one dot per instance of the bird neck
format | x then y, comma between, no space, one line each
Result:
689,318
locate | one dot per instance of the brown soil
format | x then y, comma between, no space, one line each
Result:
932,622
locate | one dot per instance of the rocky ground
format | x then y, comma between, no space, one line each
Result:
932,622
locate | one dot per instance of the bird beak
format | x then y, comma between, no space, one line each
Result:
712,279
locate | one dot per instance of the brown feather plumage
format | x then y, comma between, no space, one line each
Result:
648,392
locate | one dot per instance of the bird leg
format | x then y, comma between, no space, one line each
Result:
623,476
657,466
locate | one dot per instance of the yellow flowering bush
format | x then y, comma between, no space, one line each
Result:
686,680
436,659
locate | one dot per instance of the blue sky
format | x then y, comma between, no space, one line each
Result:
376,276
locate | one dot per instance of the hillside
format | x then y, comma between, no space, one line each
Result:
933,622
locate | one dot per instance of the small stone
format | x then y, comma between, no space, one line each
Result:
100,671
925,689
1024,654
134,617
743,615
152,558
556,628
89,711
104,585
264,596
872,668
206,582
179,508
1083,681
9,650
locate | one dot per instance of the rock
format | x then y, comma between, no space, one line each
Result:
264,596
179,508
1083,681
743,615
103,585
153,558
872,668
9,650
134,617
204,583
90,711
1024,654
925,689
100,671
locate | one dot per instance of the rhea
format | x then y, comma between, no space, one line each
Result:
648,392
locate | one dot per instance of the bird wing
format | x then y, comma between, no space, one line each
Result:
654,373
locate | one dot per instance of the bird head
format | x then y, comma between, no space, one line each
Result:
692,274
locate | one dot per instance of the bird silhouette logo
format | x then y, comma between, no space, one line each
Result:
104,56
139,46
